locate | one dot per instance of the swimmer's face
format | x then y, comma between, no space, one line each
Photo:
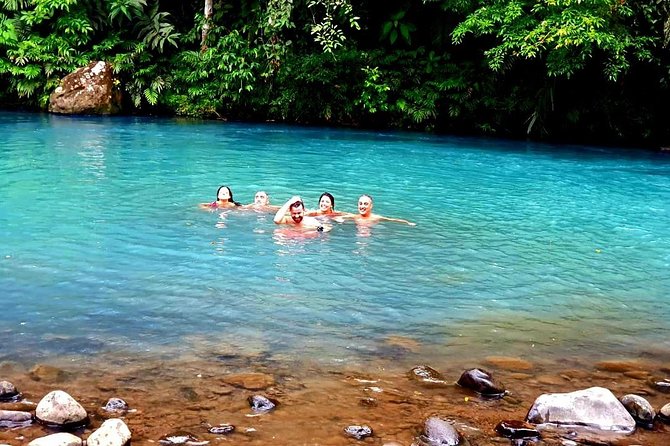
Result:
297,211
224,194
364,205
325,205
261,199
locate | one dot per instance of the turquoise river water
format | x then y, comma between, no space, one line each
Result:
520,249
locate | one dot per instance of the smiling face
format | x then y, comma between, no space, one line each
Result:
261,199
365,205
297,211
223,194
325,204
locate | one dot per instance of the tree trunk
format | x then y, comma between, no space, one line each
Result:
206,25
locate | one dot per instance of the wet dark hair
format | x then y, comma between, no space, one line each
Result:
296,203
329,195
230,192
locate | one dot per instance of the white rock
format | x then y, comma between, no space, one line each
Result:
60,408
595,408
112,432
59,439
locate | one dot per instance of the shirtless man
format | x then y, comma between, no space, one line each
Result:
365,215
293,213
261,203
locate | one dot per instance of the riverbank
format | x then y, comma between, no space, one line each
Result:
316,402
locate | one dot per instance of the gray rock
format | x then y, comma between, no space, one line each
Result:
14,418
438,432
427,375
116,405
358,432
595,408
640,409
482,382
261,404
182,438
112,432
59,439
8,392
89,90
664,413
222,429
59,409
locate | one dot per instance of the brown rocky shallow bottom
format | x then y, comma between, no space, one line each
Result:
170,395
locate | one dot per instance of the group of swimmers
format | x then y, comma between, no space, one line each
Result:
294,212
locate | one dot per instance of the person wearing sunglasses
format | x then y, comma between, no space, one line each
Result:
293,213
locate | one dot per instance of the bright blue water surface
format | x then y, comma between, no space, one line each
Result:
519,249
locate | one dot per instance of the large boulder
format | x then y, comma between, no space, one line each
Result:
90,90
595,408
59,409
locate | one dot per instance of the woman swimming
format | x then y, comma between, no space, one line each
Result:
326,207
224,199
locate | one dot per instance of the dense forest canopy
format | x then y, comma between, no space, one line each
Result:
589,70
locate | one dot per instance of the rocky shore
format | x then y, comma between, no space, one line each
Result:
245,400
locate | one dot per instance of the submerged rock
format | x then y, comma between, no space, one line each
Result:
222,429
261,404
438,432
482,382
14,418
181,438
640,409
662,384
116,405
595,408
250,381
427,375
58,409
517,429
9,392
358,432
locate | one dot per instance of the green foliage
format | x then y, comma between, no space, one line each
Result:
154,29
566,34
326,31
396,27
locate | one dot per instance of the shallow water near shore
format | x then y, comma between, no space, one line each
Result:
554,255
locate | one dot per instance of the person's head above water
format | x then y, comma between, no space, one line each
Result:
261,198
365,205
326,202
297,211
224,193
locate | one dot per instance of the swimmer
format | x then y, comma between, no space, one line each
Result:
365,215
293,213
224,199
261,203
326,207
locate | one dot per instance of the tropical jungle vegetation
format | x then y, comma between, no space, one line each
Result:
586,70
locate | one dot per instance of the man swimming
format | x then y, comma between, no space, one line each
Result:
293,213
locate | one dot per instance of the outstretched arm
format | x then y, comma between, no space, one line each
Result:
398,220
